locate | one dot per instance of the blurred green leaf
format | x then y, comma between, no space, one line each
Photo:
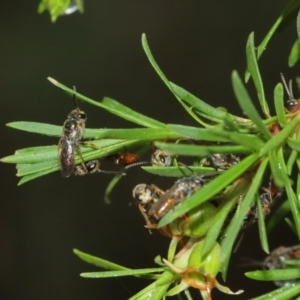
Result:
274,275
178,171
278,215
228,201
283,293
294,54
113,107
234,227
99,262
194,150
253,69
279,104
262,226
109,274
247,105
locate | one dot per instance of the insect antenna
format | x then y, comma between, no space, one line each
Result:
74,97
139,163
111,172
288,89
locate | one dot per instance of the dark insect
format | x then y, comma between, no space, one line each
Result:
221,161
73,132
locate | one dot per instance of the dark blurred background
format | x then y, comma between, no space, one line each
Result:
197,44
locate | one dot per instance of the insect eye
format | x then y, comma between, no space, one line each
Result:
70,125
91,165
162,159
291,104
82,116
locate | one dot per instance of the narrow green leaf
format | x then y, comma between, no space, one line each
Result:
210,190
279,104
262,226
298,25
253,142
109,274
292,262
294,144
298,83
110,187
274,275
253,69
291,7
153,62
99,262
41,154
162,285
294,204
298,188
30,177
294,54
291,225
197,133
132,133
144,293
289,10
247,105
35,127
200,151
234,227
291,161
230,199
207,110
278,215
113,107
128,114
32,155
178,171
280,138
283,293
276,169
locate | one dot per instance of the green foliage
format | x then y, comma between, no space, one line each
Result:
59,8
268,145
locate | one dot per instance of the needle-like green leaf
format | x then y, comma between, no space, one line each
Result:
283,293
198,151
234,227
113,107
294,54
273,275
246,104
109,274
253,69
262,227
279,106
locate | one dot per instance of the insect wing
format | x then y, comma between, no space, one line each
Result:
66,157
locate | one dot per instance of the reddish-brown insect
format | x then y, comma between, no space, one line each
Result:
125,158
73,132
